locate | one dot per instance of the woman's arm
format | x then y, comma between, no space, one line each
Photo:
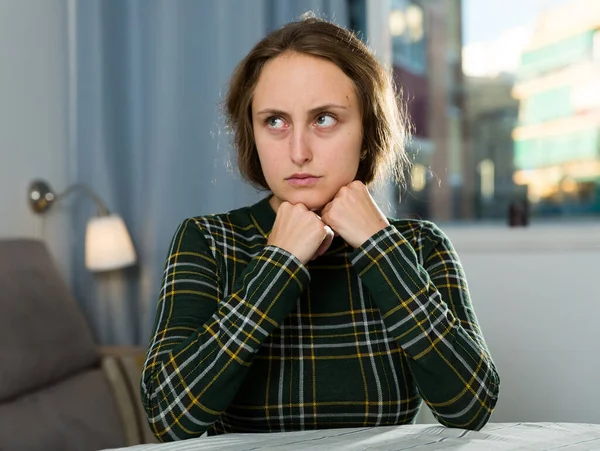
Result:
203,342
428,311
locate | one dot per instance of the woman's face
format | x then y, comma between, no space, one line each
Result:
308,129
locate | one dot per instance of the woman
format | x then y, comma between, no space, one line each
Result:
311,309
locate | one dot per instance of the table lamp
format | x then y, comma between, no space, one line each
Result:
108,244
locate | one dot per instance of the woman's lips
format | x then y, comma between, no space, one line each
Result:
303,180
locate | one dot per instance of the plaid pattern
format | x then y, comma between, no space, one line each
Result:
247,339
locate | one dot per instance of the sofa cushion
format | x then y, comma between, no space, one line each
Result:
43,334
76,414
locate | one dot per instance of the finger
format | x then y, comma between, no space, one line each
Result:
327,240
356,184
343,191
322,249
329,234
325,243
327,221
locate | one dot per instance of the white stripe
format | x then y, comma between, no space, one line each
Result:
349,344
371,356
281,373
358,415
300,365
191,281
211,228
225,283
350,325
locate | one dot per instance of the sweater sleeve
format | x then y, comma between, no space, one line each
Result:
428,311
203,342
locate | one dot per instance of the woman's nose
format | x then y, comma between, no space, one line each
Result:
299,147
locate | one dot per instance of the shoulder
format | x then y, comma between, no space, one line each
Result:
218,231
418,229
422,235
222,222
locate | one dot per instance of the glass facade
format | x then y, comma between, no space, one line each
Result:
556,55
557,140
483,143
407,26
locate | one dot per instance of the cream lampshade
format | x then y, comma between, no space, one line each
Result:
108,244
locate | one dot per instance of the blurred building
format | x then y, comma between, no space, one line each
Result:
491,117
557,140
426,57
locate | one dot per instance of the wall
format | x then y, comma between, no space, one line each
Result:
33,116
537,298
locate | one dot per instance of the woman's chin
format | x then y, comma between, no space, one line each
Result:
310,200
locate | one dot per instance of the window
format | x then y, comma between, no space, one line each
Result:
407,31
596,46
526,131
486,177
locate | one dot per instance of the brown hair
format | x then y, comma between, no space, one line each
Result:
385,127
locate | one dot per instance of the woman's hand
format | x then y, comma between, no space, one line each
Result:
353,214
300,232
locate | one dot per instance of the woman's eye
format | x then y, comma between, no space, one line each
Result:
275,122
325,120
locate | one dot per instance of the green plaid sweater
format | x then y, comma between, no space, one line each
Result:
247,339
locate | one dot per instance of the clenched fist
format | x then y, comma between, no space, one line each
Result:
300,232
353,214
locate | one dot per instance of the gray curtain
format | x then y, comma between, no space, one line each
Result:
147,82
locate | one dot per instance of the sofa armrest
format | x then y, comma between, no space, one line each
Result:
123,367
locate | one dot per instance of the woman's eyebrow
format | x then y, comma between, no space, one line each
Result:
328,106
312,111
271,112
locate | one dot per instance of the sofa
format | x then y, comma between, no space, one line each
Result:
59,390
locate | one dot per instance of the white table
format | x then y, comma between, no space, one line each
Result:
421,437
